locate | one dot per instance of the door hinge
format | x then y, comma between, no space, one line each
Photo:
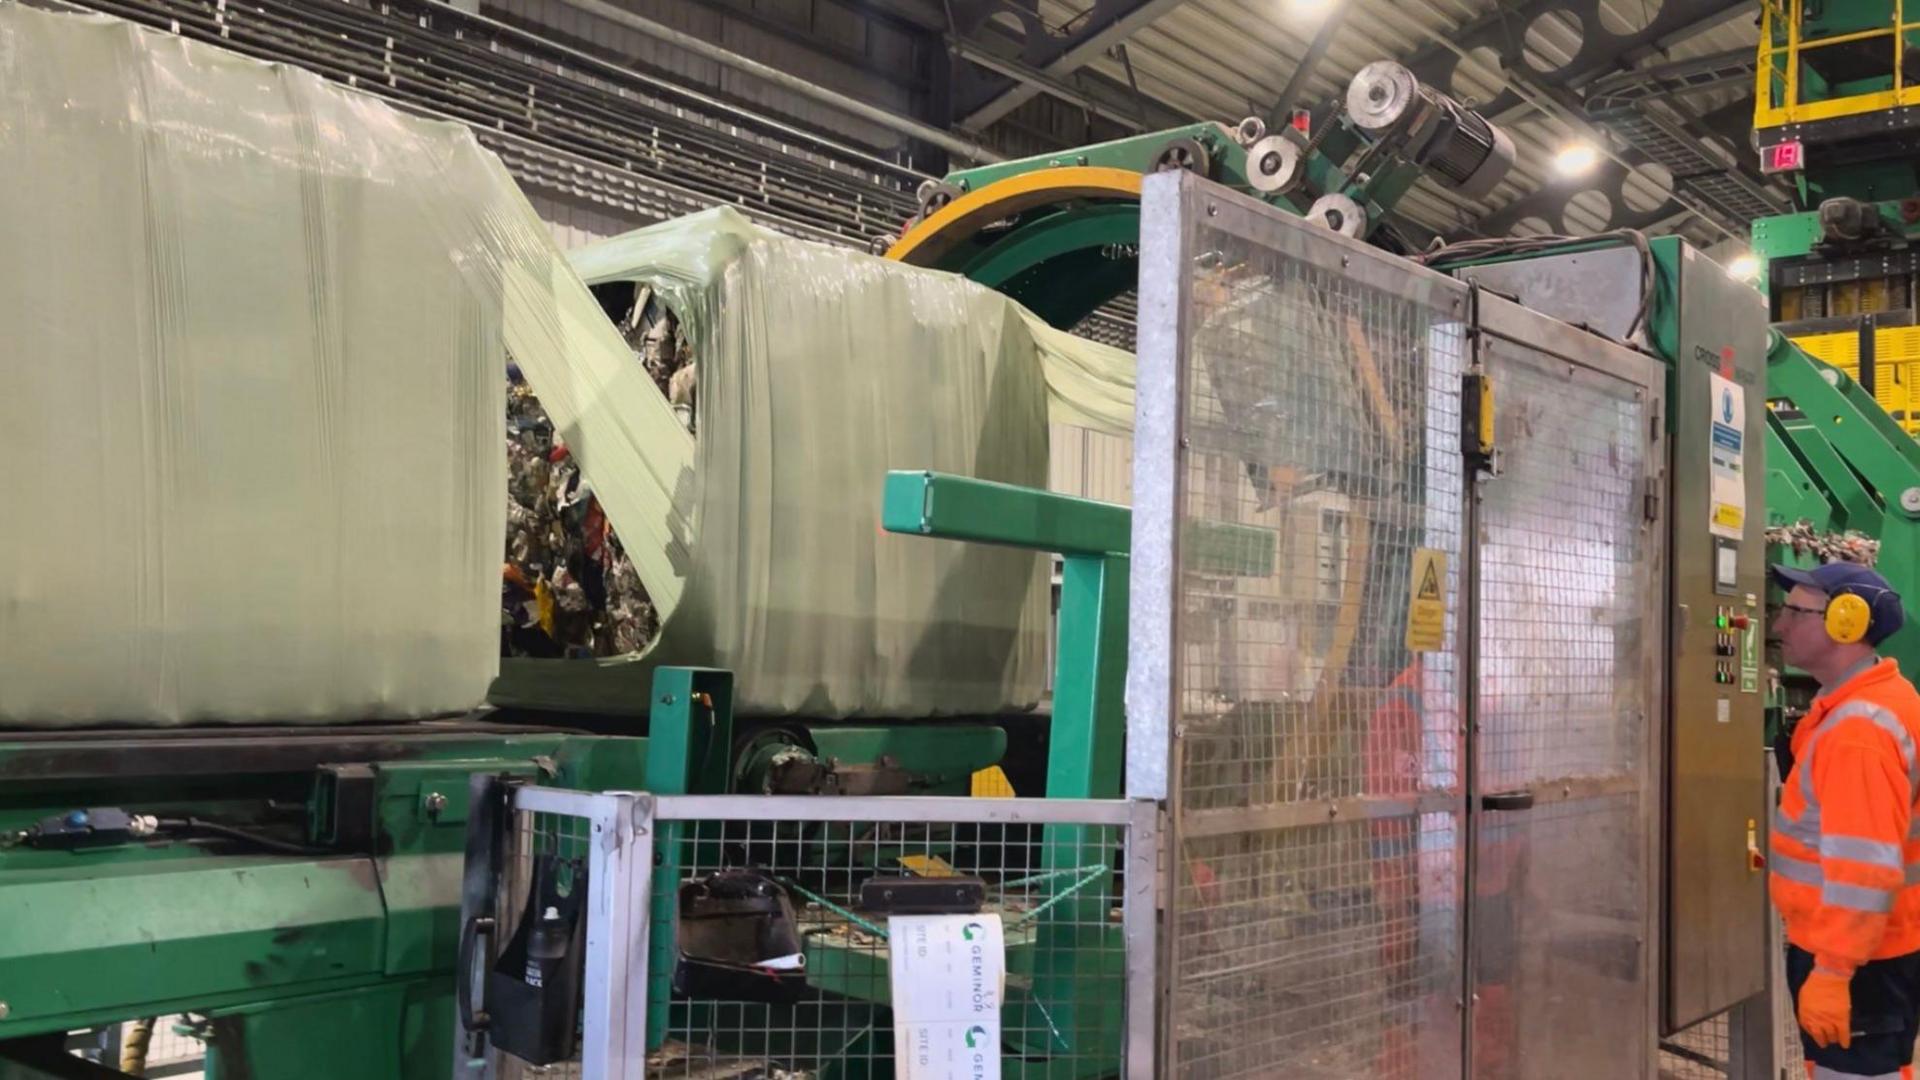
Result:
1652,506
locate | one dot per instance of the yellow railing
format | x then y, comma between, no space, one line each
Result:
1896,367
1776,98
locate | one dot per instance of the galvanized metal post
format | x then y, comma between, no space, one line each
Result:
1750,1043
1140,915
612,1041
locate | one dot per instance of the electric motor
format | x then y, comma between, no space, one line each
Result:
1455,144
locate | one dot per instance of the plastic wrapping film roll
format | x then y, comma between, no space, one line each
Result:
253,434
819,369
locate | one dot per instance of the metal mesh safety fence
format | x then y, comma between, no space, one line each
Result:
1315,778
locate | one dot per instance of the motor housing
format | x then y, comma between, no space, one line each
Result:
1456,145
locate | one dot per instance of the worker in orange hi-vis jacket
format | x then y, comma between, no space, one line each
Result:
1405,731
1846,847
1392,767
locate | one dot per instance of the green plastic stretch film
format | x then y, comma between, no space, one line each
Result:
820,369
254,422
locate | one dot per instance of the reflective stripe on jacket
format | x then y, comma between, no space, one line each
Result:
1845,853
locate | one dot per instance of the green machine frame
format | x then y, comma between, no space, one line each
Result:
331,907
1837,114
1837,460
695,746
331,902
1064,259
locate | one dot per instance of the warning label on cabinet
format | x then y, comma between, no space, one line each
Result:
1427,605
1728,516
1750,659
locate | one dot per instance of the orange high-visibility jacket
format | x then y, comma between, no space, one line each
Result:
1846,848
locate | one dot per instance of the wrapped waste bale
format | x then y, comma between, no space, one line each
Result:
801,374
568,589
253,414
262,322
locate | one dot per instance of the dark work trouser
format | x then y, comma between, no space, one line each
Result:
1886,1017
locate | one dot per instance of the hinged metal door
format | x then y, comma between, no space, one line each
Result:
1566,576
1304,661
1295,656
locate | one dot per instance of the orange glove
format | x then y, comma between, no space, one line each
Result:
1826,1008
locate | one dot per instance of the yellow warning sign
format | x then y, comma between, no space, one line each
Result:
1731,517
1427,604
927,866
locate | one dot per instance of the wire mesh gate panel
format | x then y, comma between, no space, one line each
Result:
1326,598
1073,883
1299,494
534,835
1567,631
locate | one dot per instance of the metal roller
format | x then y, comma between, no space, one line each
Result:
1381,96
1339,213
1273,164
1186,154
935,194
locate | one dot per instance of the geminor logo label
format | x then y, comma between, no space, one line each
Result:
975,1036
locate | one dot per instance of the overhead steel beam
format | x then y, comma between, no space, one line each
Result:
766,72
917,13
1622,88
982,96
1040,82
1711,22
1504,32
1303,71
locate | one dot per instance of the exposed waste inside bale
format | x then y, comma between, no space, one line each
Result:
1810,542
653,331
567,588
819,370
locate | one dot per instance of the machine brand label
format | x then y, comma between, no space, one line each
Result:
948,979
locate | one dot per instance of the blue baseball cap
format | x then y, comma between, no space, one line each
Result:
1838,578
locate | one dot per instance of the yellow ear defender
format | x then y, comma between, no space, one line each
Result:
1849,617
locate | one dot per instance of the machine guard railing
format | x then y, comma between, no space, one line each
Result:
1080,983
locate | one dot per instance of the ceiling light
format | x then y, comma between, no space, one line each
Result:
1576,159
1308,8
1744,267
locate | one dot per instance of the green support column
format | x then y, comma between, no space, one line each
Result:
1792,493
1077,963
689,752
1074,951
1842,488
1872,447
1090,675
